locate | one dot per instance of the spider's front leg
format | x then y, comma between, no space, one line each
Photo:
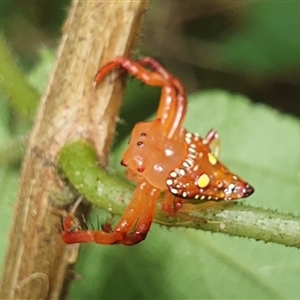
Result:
135,69
132,227
172,107
178,112
149,199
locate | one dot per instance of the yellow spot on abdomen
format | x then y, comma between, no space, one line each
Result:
203,181
212,159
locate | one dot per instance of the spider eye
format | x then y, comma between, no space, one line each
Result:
140,144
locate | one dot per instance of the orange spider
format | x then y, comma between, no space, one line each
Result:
162,157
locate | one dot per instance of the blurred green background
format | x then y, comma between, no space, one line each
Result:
236,47
244,47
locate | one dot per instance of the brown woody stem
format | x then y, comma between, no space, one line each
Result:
95,32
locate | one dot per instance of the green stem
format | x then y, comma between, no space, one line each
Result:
78,161
12,81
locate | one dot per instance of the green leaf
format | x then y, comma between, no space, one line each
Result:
263,147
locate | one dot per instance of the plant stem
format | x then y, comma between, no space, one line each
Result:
37,261
79,163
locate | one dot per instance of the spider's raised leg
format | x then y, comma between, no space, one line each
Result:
135,69
179,112
120,235
172,107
